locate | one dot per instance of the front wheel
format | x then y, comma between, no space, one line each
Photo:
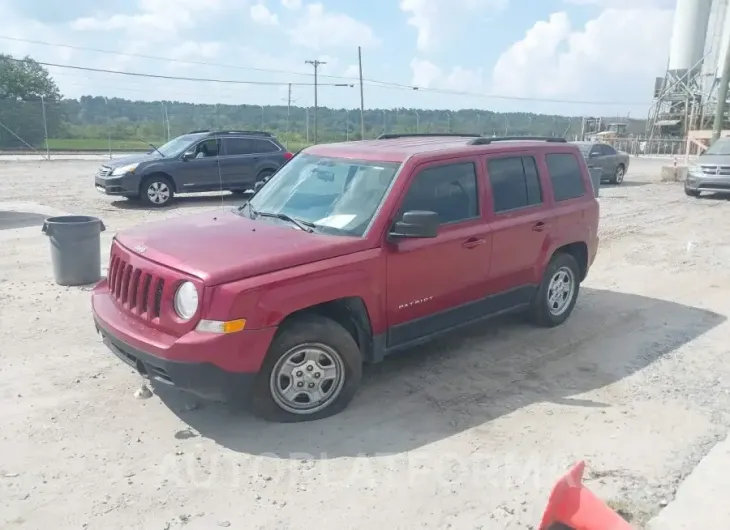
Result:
618,176
312,371
156,191
558,292
690,192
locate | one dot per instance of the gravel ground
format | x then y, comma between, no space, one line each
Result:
468,432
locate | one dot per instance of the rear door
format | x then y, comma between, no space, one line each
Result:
521,222
432,282
236,162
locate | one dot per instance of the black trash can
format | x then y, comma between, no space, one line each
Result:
75,248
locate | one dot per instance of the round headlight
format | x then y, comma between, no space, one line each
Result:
186,301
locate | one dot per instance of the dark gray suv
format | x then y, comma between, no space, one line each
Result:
194,162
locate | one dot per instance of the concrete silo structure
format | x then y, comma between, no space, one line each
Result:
680,95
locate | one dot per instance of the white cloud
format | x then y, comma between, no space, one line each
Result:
261,15
352,70
291,4
624,4
434,19
319,29
428,75
555,60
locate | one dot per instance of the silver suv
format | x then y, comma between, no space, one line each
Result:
711,170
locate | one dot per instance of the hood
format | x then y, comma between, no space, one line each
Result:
220,247
719,160
132,159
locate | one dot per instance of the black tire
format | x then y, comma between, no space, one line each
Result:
691,193
264,175
162,183
312,330
618,175
540,312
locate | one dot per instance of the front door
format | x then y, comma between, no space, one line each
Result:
202,172
435,284
520,227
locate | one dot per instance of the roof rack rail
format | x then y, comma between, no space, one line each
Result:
484,140
392,136
248,133
198,132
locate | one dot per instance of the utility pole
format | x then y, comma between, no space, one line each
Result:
288,113
721,99
362,96
316,64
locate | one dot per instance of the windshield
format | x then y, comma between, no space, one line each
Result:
720,147
336,195
177,145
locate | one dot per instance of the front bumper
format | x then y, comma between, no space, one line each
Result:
115,186
701,182
213,366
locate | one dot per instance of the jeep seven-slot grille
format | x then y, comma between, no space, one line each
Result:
136,290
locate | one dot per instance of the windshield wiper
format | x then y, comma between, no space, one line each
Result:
155,148
304,225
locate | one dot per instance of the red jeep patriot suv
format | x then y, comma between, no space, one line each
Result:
350,252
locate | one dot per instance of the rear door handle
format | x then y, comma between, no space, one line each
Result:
538,227
473,242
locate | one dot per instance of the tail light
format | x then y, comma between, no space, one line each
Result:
288,156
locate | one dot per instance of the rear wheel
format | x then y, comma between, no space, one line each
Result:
312,371
156,190
558,292
264,175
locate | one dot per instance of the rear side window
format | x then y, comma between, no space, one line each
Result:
515,182
264,146
566,176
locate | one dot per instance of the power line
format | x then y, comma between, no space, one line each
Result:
178,78
371,82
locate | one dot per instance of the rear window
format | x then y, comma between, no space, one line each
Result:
566,176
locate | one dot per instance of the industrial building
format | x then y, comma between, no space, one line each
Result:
685,98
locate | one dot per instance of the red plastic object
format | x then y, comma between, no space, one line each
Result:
575,506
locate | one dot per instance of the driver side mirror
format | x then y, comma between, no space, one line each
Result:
416,223
187,155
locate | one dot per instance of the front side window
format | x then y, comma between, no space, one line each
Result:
449,190
515,182
207,148
335,195
566,176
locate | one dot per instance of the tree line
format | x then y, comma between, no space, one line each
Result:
32,108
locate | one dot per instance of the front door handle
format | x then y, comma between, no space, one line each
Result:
538,227
473,242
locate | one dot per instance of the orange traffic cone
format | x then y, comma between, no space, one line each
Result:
573,505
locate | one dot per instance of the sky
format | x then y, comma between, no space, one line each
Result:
554,56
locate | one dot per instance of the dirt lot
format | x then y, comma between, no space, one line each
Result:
469,432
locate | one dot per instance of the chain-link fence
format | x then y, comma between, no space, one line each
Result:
112,126
651,146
